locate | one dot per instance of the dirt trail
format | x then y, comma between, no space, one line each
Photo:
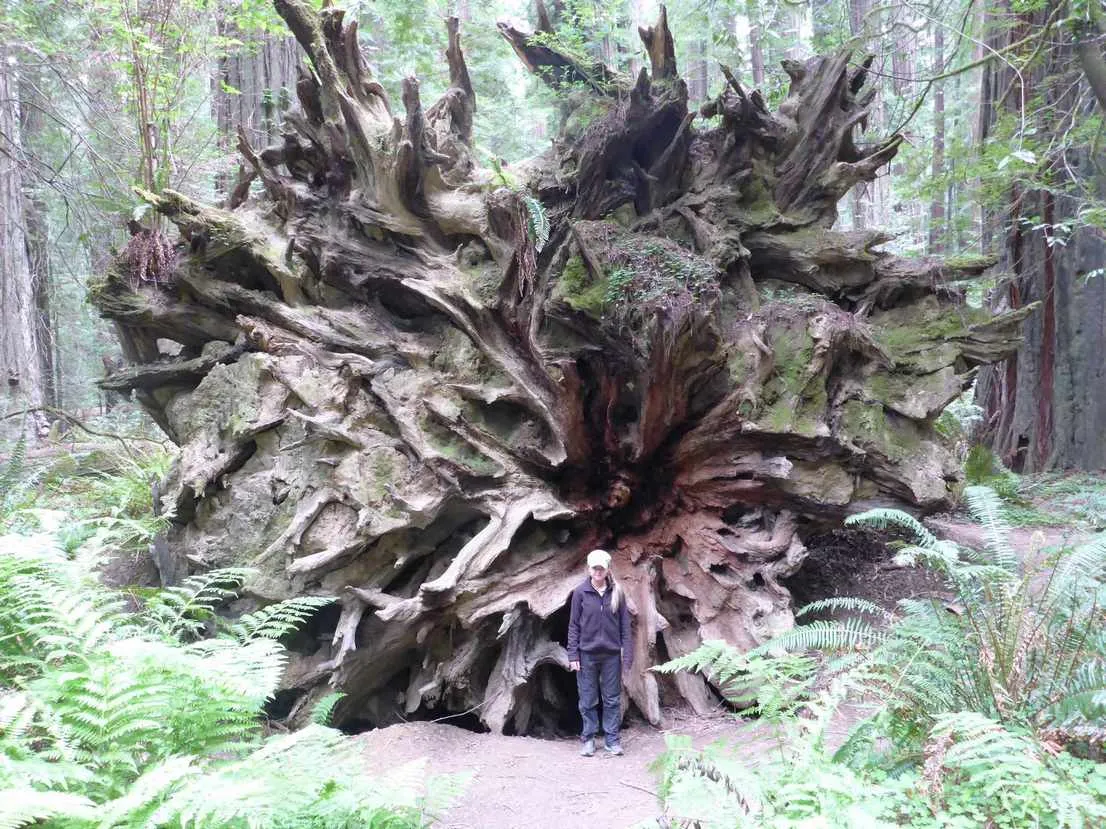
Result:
1027,541
528,783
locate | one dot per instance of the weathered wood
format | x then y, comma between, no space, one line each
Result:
169,373
439,408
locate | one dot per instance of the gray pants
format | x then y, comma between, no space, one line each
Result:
600,676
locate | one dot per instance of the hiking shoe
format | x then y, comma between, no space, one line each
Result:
615,750
587,748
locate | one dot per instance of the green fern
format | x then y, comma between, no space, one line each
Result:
771,686
276,621
844,603
11,487
537,222
25,806
964,692
893,519
324,708
186,609
106,720
1018,649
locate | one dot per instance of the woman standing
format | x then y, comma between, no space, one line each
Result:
598,641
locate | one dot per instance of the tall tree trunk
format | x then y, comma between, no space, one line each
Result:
38,240
756,42
20,350
252,89
937,168
1045,409
697,74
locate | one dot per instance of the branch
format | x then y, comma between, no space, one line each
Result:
75,421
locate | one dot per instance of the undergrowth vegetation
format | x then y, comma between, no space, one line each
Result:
984,709
112,716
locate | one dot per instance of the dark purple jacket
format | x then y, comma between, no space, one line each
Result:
594,628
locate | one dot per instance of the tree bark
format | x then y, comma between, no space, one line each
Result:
20,350
756,46
429,394
1044,409
937,164
252,88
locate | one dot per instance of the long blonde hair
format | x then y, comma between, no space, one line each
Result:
616,591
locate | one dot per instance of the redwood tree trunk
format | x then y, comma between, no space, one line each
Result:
252,89
1044,406
409,385
937,167
20,350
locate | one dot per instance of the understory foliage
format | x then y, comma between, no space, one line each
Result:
111,718
973,708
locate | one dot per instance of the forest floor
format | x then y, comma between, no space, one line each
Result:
516,782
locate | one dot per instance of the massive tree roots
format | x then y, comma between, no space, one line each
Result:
429,389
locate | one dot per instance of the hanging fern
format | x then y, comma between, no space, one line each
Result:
537,222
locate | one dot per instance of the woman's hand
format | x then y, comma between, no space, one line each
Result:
574,666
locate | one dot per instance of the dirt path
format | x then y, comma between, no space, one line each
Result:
1029,542
528,783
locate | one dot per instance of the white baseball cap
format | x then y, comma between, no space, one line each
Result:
599,558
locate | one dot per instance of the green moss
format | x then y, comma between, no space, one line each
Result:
579,289
226,400
740,364
460,357
636,273
484,279
922,335
448,445
872,427
779,417
970,262
792,351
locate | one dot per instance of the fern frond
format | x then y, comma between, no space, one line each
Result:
1078,570
22,807
825,635
324,708
537,222
986,507
885,519
276,621
313,773
184,610
149,790
987,751
845,603
710,787
10,487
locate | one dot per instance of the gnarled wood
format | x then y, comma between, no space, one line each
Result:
389,394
